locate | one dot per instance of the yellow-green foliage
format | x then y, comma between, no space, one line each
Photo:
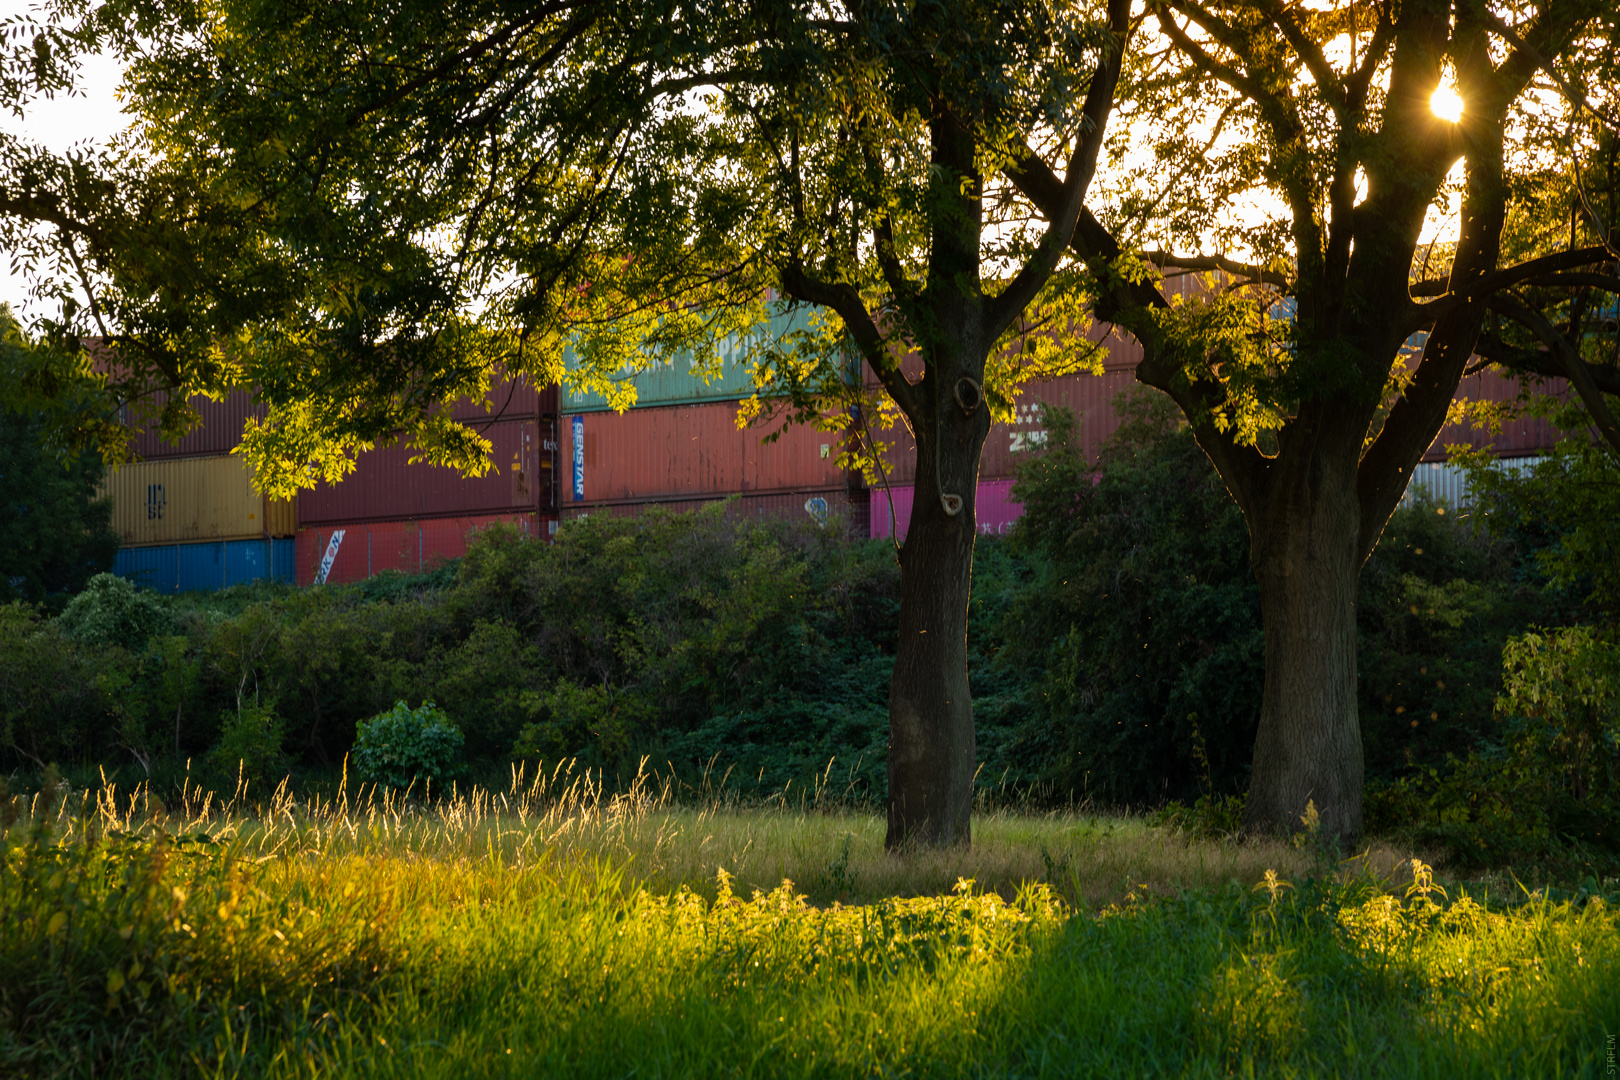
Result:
556,929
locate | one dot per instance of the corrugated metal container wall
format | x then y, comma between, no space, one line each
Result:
1448,484
1091,397
370,547
689,451
176,500
1529,435
386,487
820,504
674,382
994,512
172,568
219,433
221,429
509,399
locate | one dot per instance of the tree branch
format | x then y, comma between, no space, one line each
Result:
1501,279
844,300
1163,259
1574,368
1082,165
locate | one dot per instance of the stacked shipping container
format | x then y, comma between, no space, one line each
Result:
1091,399
190,519
679,447
187,513
390,514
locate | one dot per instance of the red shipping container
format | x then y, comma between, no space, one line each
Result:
817,503
1091,397
368,548
1518,438
688,452
386,487
221,429
219,433
508,399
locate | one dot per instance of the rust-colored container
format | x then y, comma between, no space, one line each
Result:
1518,438
509,399
386,487
370,547
1091,397
221,429
818,504
184,500
219,433
685,452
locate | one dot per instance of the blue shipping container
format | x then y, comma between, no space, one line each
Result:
175,568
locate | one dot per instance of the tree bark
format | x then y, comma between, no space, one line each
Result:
1308,752
931,740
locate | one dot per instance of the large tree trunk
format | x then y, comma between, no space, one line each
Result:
1308,748
931,744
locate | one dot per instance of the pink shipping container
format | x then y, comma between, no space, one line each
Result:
368,548
689,452
386,487
994,513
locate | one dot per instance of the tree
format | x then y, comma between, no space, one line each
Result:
55,534
1315,419
347,183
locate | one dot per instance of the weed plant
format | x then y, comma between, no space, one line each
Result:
557,928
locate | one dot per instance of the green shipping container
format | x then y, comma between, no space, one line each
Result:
675,383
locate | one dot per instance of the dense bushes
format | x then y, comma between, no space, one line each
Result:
683,637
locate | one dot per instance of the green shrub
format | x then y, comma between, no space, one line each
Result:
1543,789
404,746
111,611
250,743
53,704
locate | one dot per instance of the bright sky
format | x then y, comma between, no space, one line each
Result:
91,114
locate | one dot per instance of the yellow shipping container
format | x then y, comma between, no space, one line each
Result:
183,499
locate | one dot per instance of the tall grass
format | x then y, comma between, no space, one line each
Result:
561,928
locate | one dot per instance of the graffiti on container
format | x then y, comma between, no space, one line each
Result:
1026,440
154,502
817,508
330,556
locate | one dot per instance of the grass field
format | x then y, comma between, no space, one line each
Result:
559,930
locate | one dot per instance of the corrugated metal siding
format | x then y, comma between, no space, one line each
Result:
818,503
370,547
1448,484
386,487
173,568
221,429
178,500
995,511
1091,397
509,399
220,432
674,382
690,451
1517,438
